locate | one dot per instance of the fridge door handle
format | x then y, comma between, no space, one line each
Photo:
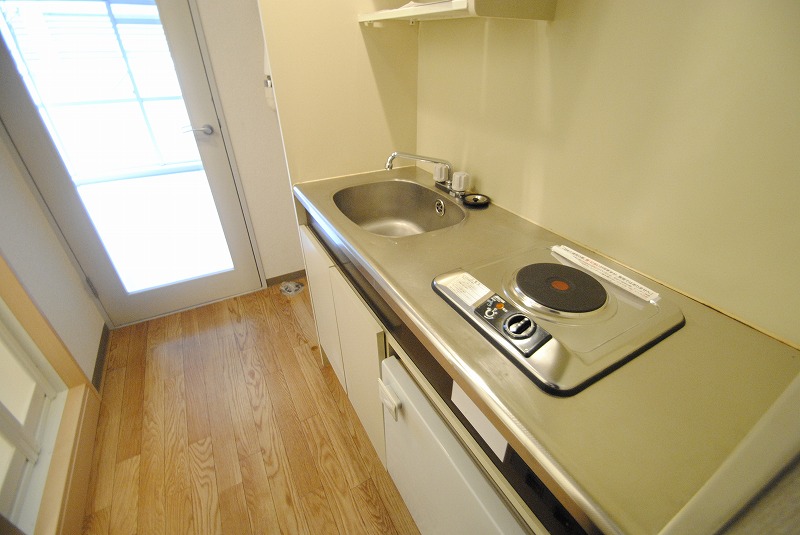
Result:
389,399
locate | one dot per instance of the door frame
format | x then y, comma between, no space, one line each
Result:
36,134
205,54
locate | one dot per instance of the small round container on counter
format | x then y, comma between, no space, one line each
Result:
476,200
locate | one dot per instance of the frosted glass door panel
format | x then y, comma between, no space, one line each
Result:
169,221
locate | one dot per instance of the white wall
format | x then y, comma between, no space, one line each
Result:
346,93
32,249
662,134
235,41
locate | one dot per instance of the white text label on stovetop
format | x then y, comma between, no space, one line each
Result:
467,288
614,277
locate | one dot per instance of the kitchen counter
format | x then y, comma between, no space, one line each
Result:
631,449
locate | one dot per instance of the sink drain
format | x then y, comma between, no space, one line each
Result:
439,207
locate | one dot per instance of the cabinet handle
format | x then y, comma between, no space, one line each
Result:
389,399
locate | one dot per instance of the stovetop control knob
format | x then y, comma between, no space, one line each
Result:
519,326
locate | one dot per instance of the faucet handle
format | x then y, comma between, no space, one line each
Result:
460,182
440,173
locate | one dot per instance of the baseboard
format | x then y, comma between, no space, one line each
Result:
100,363
286,277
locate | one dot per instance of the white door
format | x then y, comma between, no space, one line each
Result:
110,108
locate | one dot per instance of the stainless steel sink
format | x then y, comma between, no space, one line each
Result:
397,208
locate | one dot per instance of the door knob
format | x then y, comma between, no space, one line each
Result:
207,129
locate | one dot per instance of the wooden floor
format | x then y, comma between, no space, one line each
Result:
222,420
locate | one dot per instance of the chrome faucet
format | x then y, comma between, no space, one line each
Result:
448,182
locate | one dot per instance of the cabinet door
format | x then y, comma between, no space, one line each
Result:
443,488
362,343
318,264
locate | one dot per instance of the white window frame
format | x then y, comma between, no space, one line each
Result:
26,437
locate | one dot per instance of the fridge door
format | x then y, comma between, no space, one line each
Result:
445,491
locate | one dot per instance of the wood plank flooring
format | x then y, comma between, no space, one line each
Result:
222,419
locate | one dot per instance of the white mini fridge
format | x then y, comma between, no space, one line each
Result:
442,486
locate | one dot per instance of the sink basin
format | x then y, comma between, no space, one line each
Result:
397,208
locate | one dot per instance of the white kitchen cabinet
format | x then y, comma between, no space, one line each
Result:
427,10
352,338
362,342
318,265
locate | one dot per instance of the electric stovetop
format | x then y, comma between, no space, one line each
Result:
564,318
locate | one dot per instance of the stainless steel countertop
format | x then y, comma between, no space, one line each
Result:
631,449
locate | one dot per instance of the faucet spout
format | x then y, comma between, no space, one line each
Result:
448,165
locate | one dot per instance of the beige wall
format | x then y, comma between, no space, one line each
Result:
35,254
665,135
346,94
235,44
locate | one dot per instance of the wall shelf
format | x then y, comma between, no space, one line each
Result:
527,9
